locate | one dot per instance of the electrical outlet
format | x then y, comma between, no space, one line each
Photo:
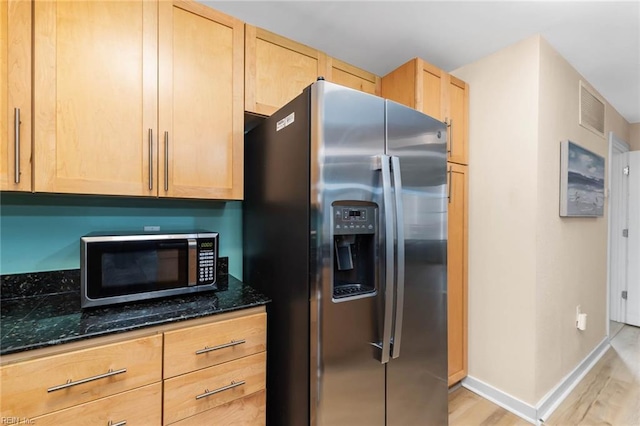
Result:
578,312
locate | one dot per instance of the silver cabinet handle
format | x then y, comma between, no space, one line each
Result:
225,345
16,139
450,126
388,285
122,423
397,185
166,161
87,380
232,385
150,159
450,183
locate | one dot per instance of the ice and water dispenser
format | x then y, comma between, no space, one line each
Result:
355,229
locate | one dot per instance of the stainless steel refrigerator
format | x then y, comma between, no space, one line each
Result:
345,229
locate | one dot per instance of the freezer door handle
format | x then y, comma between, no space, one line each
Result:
399,267
389,257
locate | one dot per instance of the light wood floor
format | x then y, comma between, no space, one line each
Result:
608,395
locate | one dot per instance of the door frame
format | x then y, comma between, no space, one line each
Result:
616,146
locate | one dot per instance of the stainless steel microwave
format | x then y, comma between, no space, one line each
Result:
125,267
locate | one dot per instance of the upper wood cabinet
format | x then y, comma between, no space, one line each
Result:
356,78
110,120
458,113
201,122
95,95
277,70
429,89
15,95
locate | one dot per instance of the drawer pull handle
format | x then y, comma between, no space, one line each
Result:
232,385
122,423
69,383
215,348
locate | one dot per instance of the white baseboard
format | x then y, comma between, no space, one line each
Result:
503,399
538,414
555,396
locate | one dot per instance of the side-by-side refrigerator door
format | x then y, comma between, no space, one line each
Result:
417,373
347,227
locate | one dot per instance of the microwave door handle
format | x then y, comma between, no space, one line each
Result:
171,245
389,258
400,257
192,261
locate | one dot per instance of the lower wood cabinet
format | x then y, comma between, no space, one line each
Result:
250,410
44,385
214,373
457,272
201,390
136,407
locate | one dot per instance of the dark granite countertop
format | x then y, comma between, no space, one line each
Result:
45,318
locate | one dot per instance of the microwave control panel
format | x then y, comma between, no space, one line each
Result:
207,260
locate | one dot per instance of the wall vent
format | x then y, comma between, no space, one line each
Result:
591,111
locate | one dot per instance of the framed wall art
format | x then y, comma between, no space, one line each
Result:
581,181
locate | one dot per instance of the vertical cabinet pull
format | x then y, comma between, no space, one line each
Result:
150,159
16,139
450,126
166,161
450,182
232,385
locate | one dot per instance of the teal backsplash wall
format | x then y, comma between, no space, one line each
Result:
42,232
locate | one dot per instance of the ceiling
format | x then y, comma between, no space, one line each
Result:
601,39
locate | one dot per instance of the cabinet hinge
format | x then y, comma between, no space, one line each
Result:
624,294
625,233
626,171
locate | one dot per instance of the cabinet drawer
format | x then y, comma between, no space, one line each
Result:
193,393
43,385
250,410
206,345
140,406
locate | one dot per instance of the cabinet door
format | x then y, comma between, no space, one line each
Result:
43,385
95,97
431,90
201,102
250,410
189,394
141,406
457,273
277,70
15,95
202,346
458,119
419,85
347,75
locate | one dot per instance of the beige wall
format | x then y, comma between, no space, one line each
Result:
634,137
571,255
529,268
503,135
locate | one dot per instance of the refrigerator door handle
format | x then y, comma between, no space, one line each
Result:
400,264
389,258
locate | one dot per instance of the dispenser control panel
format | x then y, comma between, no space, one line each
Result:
354,220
